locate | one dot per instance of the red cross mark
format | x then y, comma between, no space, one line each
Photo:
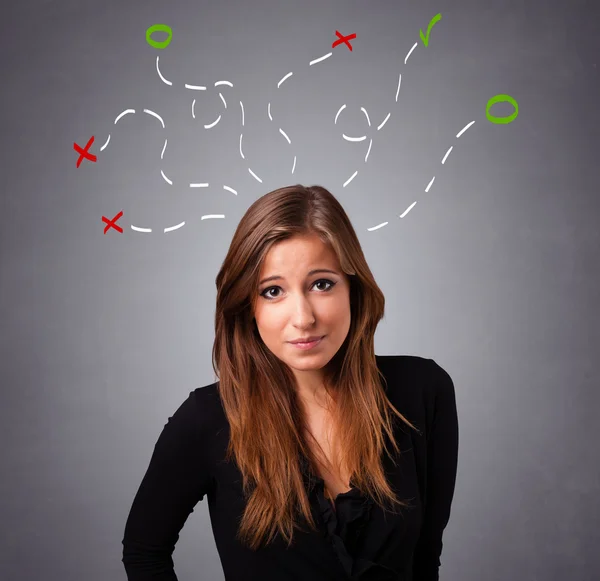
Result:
84,152
343,39
112,223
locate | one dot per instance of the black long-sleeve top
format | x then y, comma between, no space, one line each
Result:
354,542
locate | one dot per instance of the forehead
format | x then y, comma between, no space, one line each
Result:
293,252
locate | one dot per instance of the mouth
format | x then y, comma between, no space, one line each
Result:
308,345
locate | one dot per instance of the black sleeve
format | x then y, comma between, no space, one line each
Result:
175,481
442,463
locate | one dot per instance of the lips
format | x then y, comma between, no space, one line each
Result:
309,340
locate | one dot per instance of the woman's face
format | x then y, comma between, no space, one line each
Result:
299,304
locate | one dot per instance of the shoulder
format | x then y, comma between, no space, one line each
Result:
417,384
200,413
421,372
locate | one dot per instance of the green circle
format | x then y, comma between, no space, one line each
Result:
501,99
159,28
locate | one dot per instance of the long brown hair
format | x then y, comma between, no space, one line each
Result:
257,390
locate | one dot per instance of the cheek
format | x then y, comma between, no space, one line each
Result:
270,321
336,310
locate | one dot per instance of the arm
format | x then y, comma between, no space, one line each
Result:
175,481
442,461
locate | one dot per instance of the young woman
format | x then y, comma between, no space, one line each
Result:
320,460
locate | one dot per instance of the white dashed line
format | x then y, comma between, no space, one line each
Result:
195,87
377,227
162,153
285,135
366,115
447,154
409,52
242,107
126,112
311,63
160,74
254,175
350,178
353,138
230,190
138,229
155,115
368,150
284,78
211,125
104,146
384,121
166,178
241,152
433,178
464,128
408,210
171,228
204,185
209,216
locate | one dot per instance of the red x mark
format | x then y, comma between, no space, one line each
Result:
84,152
343,39
112,223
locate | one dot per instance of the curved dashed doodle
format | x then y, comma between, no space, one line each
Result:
342,39
160,119
166,178
504,120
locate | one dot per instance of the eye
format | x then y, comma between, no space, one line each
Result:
321,280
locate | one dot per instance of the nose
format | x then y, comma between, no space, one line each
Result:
303,314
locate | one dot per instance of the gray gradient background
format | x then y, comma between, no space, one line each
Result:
494,272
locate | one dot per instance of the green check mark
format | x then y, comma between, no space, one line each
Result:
425,37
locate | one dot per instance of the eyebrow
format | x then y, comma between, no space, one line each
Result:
277,277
